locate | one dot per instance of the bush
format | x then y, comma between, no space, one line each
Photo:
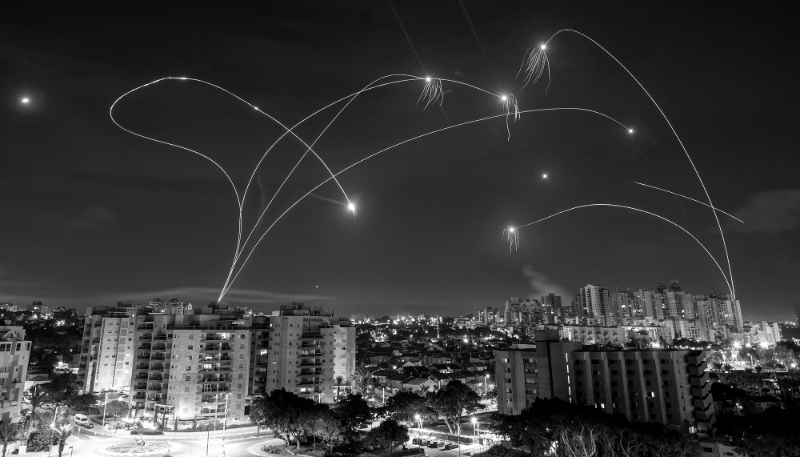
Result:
409,451
271,449
146,432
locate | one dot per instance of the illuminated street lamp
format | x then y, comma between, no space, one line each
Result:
419,429
474,425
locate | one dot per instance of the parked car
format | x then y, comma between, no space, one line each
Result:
83,420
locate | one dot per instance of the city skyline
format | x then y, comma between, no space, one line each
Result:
99,216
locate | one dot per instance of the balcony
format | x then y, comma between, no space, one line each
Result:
218,348
704,416
312,336
699,381
155,377
214,370
214,380
207,389
140,387
311,363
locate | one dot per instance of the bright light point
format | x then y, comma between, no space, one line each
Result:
503,97
182,78
25,100
428,79
351,207
511,229
255,108
630,130
542,47
544,175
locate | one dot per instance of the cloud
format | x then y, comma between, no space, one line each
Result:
769,212
205,295
542,285
92,217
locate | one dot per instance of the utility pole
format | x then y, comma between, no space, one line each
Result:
104,411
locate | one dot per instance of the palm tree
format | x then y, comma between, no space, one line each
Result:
61,433
36,400
339,381
8,434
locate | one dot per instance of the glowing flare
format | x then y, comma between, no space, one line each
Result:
432,92
630,131
25,100
544,176
351,207
542,46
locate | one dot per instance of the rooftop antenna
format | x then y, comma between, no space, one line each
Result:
317,300
437,327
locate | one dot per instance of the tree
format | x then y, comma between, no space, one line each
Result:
41,438
353,413
83,402
339,381
361,378
36,401
290,416
405,406
60,434
8,434
390,434
452,402
117,409
62,386
329,428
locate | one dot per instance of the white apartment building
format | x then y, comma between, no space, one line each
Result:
14,357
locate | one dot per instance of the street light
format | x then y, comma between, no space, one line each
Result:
474,425
105,404
419,429
53,427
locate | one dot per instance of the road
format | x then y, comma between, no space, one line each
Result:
83,444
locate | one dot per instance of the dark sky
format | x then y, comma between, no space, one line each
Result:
92,215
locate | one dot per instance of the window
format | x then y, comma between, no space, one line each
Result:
188,377
191,347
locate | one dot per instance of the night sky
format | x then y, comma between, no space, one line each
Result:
92,215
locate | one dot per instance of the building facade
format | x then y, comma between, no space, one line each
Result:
14,357
669,387
526,372
305,350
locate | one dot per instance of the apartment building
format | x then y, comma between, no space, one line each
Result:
107,350
14,357
526,372
303,350
191,367
669,387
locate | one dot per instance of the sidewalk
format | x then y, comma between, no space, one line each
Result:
230,433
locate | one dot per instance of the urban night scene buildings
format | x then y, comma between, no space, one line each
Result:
386,197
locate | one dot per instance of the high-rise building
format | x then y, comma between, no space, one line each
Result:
14,357
669,387
107,351
305,350
595,302
192,366
526,372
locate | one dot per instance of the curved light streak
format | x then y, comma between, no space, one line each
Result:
611,205
473,121
677,137
688,198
